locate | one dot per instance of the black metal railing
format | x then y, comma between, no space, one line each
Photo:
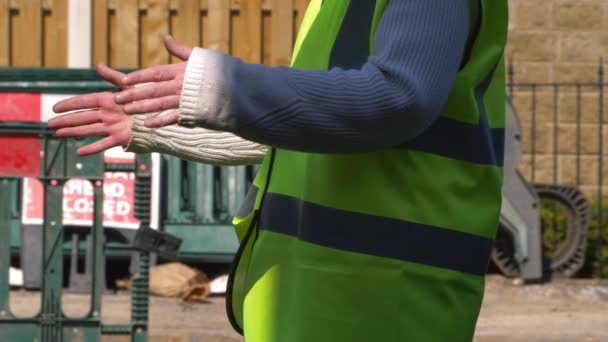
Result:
563,138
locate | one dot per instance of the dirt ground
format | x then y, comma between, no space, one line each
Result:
565,310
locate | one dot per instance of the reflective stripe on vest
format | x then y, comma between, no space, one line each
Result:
373,235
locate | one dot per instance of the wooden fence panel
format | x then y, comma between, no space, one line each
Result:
155,23
185,23
219,25
247,31
55,31
100,31
282,32
128,33
33,33
243,28
124,33
26,26
4,33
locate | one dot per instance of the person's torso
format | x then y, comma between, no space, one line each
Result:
433,201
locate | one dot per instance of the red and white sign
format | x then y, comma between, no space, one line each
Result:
20,155
118,197
23,158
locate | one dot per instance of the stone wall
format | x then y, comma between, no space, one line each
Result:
560,41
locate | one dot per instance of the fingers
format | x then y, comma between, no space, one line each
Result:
75,119
154,105
176,49
163,120
94,130
153,74
81,102
113,76
98,146
150,91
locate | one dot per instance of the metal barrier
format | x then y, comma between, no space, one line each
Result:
564,144
56,164
59,164
200,202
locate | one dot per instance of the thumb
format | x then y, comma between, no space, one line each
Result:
108,74
176,49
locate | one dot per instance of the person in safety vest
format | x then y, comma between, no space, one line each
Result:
381,148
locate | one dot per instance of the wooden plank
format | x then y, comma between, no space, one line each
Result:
100,32
266,37
185,24
204,24
47,5
173,5
56,35
4,33
219,25
282,22
267,5
235,5
26,49
238,29
124,46
246,31
154,26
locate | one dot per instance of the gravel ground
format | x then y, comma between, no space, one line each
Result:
565,310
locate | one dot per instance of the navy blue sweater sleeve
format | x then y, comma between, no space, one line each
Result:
391,99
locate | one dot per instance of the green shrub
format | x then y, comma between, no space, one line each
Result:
555,226
593,236
555,222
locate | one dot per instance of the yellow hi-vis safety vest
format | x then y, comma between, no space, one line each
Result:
391,245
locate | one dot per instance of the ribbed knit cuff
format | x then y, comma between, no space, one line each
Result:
203,90
141,140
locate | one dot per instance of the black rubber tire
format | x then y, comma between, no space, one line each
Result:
568,259
570,256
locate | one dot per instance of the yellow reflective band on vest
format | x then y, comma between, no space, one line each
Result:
384,246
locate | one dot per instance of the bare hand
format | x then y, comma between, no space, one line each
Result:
98,116
165,91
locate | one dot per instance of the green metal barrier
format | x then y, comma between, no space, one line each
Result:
52,80
59,164
197,201
201,201
10,201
